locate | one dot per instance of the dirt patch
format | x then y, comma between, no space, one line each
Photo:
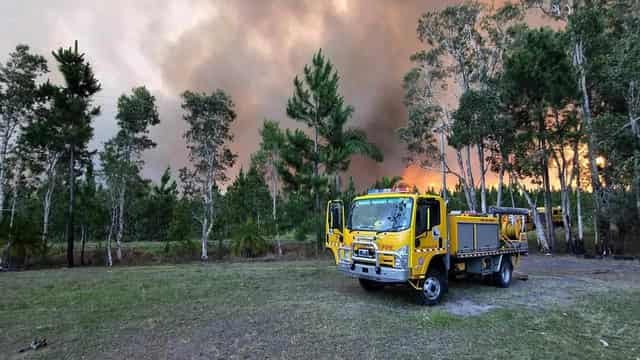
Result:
466,308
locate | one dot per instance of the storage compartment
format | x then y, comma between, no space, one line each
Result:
465,237
487,237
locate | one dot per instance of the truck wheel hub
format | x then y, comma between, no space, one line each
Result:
431,288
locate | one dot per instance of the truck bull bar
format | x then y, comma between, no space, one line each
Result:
375,272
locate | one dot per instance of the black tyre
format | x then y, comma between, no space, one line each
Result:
433,288
504,276
370,285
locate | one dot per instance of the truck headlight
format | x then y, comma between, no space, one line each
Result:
402,259
344,254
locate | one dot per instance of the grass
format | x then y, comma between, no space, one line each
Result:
303,309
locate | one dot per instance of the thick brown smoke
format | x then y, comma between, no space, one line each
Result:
253,49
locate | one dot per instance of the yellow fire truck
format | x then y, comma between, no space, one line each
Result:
395,236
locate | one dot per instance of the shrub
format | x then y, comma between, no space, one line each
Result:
247,241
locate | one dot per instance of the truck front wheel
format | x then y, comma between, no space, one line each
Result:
433,288
503,277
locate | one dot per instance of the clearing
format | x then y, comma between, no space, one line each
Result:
569,308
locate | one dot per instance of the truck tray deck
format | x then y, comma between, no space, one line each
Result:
502,251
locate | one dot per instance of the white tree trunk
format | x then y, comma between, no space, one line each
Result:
274,197
579,212
120,231
14,200
500,185
114,218
3,157
443,165
578,58
540,236
470,181
565,204
463,181
483,187
46,202
204,238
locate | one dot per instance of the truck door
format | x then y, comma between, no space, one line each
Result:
428,224
334,227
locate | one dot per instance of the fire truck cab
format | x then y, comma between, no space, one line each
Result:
395,236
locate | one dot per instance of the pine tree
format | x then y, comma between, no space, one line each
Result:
71,120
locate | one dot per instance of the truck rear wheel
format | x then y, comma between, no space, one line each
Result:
503,277
370,285
433,288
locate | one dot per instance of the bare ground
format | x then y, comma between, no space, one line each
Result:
568,308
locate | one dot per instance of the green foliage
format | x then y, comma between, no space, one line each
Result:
20,99
316,101
538,77
387,182
209,117
69,119
248,199
248,240
162,206
181,225
473,121
316,96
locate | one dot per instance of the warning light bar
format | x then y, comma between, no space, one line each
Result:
397,189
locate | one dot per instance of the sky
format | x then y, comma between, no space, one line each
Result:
251,49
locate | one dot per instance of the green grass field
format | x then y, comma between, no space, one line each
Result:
305,309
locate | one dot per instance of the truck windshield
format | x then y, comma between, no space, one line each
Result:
381,215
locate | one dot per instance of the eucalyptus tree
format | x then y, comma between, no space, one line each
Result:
19,96
565,135
209,118
464,45
136,114
112,170
538,79
622,82
423,85
588,24
268,157
70,122
453,42
44,160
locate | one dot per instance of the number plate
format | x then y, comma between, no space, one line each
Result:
364,252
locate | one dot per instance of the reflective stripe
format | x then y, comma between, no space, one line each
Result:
431,250
495,252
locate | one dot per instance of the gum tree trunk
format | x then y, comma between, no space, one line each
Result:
114,217
70,225
483,187
541,238
470,181
578,58
46,203
120,232
500,185
465,186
